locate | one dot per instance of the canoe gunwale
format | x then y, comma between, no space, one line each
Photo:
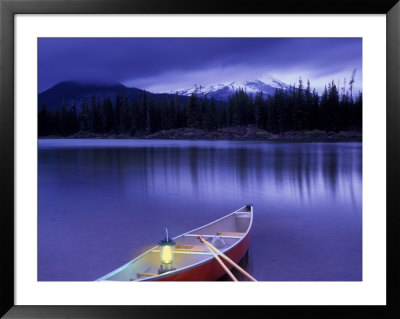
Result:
211,236
194,265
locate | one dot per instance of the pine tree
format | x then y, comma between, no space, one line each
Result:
125,118
333,103
165,115
281,110
275,115
64,121
193,112
107,115
259,109
222,115
172,115
323,118
299,116
231,110
149,113
92,117
84,116
117,114
308,107
351,84
73,119
358,112
314,113
242,107
56,123
210,121
43,121
135,118
156,116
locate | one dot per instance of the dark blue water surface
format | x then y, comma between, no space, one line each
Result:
103,202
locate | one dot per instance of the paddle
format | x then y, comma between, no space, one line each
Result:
218,259
212,247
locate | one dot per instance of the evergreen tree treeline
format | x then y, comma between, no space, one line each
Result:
294,109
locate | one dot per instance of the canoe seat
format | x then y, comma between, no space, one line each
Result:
192,248
230,233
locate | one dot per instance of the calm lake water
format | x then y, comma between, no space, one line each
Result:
103,202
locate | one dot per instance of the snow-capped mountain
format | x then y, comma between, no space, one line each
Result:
222,91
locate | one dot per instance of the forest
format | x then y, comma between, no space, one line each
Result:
297,108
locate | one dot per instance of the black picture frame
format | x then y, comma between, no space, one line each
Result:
9,8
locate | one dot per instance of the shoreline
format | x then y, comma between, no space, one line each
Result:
229,134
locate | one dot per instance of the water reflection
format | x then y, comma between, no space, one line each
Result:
309,190
301,171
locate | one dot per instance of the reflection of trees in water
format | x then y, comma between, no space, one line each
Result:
298,175
307,171
194,167
150,162
212,164
164,160
298,169
258,166
241,158
176,159
277,165
330,170
341,170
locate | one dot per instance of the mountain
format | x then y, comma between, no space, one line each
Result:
68,92
266,85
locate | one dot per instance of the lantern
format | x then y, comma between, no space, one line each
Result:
166,254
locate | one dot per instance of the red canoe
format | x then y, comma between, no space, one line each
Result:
192,260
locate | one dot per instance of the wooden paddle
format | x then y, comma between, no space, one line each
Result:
212,247
218,259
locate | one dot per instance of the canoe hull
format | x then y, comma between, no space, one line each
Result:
231,234
211,270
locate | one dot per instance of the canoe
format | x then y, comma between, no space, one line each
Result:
192,260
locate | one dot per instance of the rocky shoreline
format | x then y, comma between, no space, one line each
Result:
253,133
240,133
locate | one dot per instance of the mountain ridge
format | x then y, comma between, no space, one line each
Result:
69,92
266,85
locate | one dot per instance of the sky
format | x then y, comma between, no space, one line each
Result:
168,64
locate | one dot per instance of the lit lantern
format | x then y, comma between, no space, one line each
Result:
166,254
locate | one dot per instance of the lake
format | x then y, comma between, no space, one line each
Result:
103,202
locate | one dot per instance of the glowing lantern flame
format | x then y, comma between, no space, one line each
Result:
166,254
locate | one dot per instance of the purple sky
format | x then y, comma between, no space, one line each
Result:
165,64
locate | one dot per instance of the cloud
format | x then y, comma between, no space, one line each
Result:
165,63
